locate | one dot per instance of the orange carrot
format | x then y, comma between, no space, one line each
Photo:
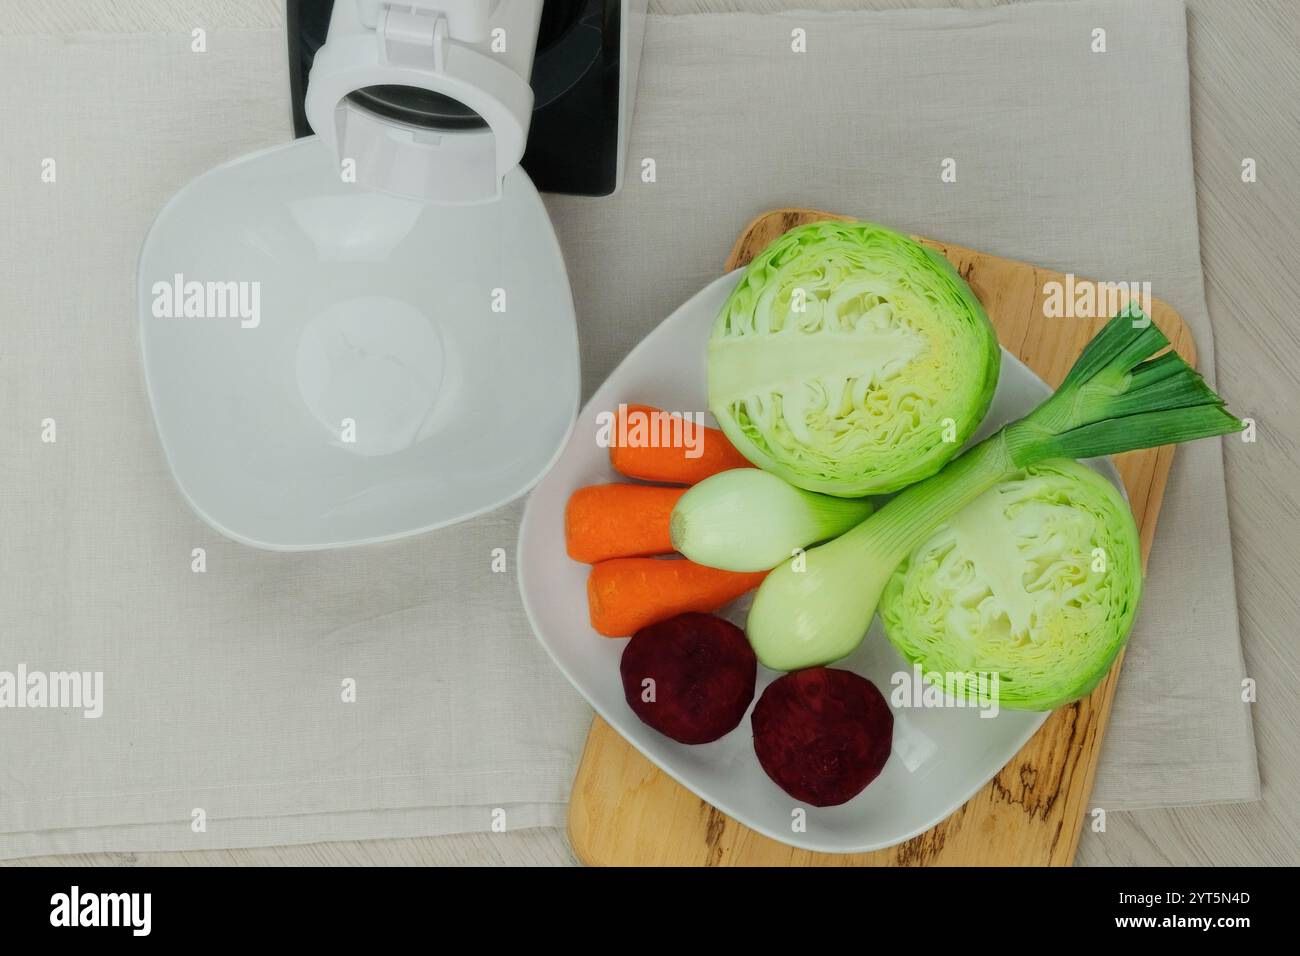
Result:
655,445
619,521
627,594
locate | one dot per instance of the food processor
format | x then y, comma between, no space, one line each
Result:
584,76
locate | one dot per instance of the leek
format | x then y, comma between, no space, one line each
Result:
816,608
749,520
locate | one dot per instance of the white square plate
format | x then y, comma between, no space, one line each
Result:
941,755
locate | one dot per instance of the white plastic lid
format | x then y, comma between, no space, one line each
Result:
476,52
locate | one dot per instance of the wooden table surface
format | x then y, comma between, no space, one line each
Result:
1245,63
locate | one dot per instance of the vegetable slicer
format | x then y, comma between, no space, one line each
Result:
584,77
369,332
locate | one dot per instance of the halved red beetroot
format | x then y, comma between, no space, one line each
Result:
703,671
822,734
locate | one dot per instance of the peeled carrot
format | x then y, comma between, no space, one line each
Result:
619,521
655,445
627,594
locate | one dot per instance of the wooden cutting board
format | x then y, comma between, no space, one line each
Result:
624,811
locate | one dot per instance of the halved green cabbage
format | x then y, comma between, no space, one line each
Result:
1037,580
851,360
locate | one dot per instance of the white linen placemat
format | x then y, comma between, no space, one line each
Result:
222,690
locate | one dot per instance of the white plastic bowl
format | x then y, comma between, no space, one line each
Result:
374,310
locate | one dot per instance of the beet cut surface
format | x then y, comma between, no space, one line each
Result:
704,672
822,734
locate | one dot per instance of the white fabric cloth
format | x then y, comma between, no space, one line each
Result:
1066,158
222,690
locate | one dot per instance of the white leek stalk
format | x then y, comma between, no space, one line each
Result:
749,520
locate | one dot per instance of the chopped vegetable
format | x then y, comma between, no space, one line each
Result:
690,677
1114,399
619,521
851,360
1037,580
822,735
750,520
627,594
653,445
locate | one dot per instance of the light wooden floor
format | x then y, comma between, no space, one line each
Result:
1245,57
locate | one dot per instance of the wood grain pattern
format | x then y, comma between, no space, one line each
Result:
625,811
